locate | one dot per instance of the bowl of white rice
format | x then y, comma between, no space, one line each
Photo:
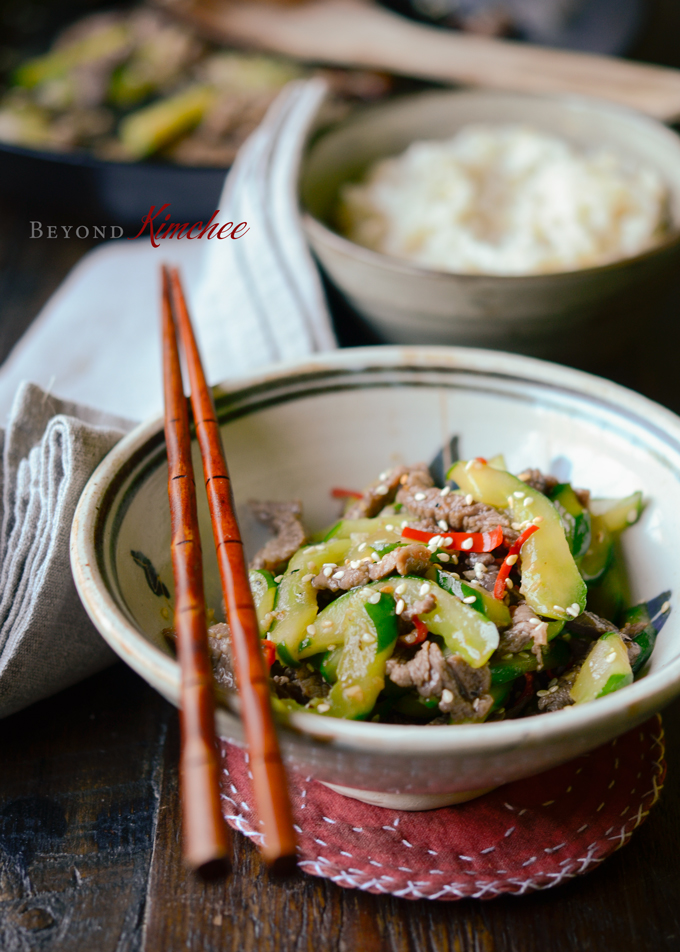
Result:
544,225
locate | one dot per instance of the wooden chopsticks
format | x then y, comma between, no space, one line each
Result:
206,837
269,778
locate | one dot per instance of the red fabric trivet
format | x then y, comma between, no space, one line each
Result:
527,835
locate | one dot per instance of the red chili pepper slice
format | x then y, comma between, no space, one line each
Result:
499,587
481,541
269,650
338,493
418,636
480,459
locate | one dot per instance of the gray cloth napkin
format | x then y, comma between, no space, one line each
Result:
49,450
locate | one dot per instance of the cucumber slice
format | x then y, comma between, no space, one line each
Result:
551,582
618,514
647,637
598,558
555,655
465,631
611,593
500,693
296,599
575,519
413,705
263,588
606,669
498,462
494,609
369,640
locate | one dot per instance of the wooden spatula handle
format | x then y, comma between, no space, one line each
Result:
355,33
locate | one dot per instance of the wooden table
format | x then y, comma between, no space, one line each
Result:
89,821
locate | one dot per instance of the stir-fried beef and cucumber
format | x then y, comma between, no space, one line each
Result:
481,600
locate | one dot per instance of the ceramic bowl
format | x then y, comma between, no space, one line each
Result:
543,315
339,419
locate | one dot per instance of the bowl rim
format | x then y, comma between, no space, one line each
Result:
623,709
317,227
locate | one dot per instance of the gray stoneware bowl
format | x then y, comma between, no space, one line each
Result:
338,419
544,315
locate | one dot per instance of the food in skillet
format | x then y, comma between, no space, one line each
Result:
448,605
129,85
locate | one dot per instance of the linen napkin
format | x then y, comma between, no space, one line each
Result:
49,450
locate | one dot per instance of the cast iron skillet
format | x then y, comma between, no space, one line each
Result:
75,186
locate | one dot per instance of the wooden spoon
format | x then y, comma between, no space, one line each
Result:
359,33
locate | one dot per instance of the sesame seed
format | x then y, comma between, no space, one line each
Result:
443,524
401,605
506,657
573,611
576,607
447,696
361,547
610,657
384,475
631,516
355,564
455,575
445,491
516,525
419,497
553,688
328,570
537,520
375,557
308,578
410,638
327,623
381,490
469,499
339,574
511,559
665,607
278,578
404,523
541,693
389,527
480,569
400,589
435,541
508,584
518,494
511,500
375,598
424,588
466,544
322,708
470,599
528,500
354,691
558,608
553,682
311,629
535,621
368,638
331,647
443,557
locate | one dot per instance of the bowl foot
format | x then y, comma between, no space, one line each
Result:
408,801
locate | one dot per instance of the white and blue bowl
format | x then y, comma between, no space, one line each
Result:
337,420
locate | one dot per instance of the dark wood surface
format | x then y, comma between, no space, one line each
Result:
89,822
